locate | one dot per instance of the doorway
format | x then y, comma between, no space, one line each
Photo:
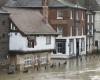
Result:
77,47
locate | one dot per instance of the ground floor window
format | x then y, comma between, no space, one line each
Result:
82,44
96,43
28,61
43,60
71,46
60,46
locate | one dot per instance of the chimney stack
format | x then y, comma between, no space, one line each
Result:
45,10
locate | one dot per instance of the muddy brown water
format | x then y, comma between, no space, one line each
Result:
82,68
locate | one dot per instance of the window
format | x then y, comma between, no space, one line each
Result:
3,35
96,43
59,14
77,30
71,14
88,18
31,43
82,45
60,46
43,60
82,16
71,30
59,29
28,61
48,39
88,29
92,18
77,15
3,22
71,46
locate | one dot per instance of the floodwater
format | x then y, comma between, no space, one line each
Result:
82,68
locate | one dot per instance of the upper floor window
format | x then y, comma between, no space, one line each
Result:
71,14
92,18
59,29
82,16
77,15
3,22
31,43
12,27
88,18
71,30
59,14
48,39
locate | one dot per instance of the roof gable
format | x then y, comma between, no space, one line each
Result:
30,21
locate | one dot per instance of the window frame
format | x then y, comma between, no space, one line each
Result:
60,14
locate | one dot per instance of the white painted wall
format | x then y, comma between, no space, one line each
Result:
97,27
18,42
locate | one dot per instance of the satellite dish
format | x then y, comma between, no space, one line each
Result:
2,2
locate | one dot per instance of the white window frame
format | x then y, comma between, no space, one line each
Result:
82,16
88,31
71,14
77,32
92,29
82,44
71,30
59,14
71,46
82,30
26,60
77,15
88,18
43,60
48,40
59,29
92,18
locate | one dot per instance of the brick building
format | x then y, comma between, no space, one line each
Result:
66,18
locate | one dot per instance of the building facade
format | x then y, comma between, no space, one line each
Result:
66,18
4,37
31,41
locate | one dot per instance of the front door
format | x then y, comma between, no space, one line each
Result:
77,47
61,46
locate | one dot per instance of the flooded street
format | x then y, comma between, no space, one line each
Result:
83,68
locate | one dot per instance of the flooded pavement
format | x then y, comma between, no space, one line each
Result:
83,68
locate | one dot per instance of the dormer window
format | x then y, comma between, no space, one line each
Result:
12,27
59,14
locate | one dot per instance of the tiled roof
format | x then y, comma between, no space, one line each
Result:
38,3
30,21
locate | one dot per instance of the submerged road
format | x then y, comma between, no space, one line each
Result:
82,68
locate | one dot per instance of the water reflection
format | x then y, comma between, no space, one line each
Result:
82,68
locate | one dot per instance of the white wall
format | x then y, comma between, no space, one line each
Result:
18,42
97,27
